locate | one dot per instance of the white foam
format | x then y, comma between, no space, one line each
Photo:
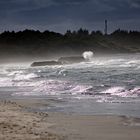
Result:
136,90
80,89
24,94
114,90
88,55
20,77
102,100
123,92
6,82
3,71
53,87
15,73
24,84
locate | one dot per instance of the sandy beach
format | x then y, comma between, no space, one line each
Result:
16,122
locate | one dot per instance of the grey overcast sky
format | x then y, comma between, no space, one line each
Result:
60,15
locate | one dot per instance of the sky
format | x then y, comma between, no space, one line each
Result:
61,15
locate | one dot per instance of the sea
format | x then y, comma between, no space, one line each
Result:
105,85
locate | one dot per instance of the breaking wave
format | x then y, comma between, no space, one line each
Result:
94,79
88,55
55,87
5,82
17,78
123,92
20,77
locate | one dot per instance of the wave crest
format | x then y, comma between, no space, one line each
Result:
123,92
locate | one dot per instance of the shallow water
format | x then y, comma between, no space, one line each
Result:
105,85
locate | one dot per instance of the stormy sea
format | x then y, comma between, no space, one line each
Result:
104,85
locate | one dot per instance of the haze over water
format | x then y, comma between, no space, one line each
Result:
105,85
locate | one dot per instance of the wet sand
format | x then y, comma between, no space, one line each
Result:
79,127
16,122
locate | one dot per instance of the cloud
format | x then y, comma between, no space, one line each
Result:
67,13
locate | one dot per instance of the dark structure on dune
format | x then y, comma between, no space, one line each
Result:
106,27
60,61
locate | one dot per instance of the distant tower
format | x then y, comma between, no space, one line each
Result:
106,27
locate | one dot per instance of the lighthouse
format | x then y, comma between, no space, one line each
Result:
105,27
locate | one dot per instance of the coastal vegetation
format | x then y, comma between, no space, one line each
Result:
47,44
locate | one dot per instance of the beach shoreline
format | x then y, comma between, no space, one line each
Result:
17,122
